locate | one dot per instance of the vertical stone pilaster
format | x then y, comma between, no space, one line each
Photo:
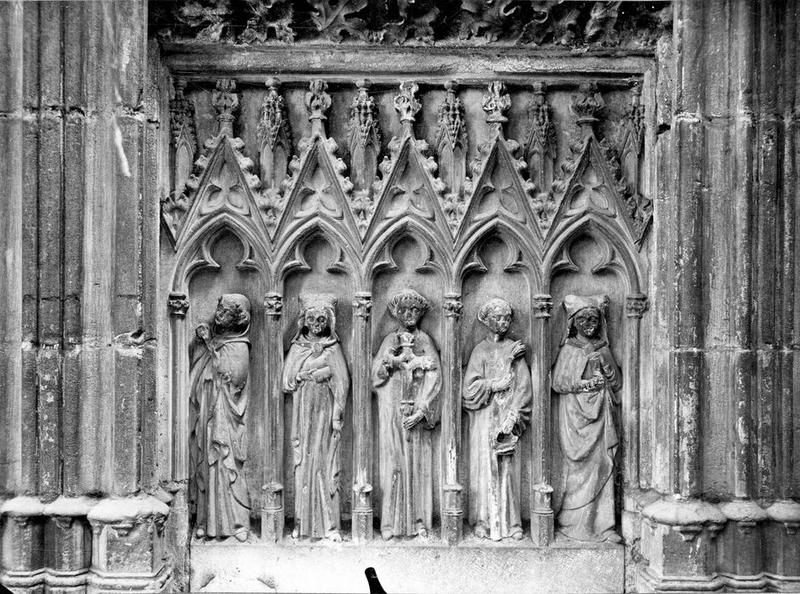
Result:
362,418
178,412
272,511
542,519
452,509
635,306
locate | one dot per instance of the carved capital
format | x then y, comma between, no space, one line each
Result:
542,305
406,103
272,496
63,522
178,304
362,305
273,304
452,305
226,102
496,102
586,105
635,305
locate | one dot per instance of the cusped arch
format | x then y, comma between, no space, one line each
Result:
287,248
427,236
511,236
596,227
196,249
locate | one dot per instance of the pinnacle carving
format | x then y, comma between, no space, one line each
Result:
364,137
181,111
406,104
226,102
274,137
496,102
317,102
587,105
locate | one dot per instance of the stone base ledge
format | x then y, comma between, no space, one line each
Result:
339,567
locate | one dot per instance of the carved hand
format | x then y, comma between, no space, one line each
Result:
518,350
338,419
508,424
502,383
203,332
413,420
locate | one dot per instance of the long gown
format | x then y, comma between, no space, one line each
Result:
315,445
494,480
219,441
588,438
406,456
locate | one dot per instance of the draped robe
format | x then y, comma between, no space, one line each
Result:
315,445
588,438
494,479
219,396
406,456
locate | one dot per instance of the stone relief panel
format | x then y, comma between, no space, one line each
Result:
401,253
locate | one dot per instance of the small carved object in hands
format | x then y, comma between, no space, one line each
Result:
497,395
406,377
220,363
587,381
316,374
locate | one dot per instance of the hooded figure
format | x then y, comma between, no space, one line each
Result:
316,373
220,363
587,380
497,393
406,377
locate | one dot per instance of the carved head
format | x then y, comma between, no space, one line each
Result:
496,315
317,314
233,313
585,314
408,307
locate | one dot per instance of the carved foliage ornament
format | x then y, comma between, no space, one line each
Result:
558,23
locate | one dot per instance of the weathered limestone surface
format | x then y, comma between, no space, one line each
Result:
157,155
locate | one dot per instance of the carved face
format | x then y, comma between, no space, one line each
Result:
316,320
225,317
409,314
499,321
587,321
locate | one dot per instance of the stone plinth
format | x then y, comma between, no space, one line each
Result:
405,567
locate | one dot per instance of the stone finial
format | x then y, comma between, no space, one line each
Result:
450,116
181,113
178,304
586,105
407,105
226,102
364,139
273,114
496,102
273,304
317,100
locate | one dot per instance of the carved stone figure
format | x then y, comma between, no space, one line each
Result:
587,380
316,373
497,394
407,380
220,363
